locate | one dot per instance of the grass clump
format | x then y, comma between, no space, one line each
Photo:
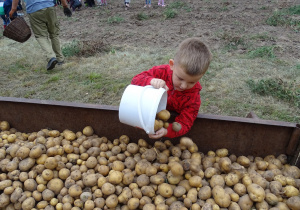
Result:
170,13
71,48
265,52
142,16
284,18
284,91
84,48
115,19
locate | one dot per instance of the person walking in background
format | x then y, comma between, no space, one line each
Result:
45,26
161,3
75,4
148,3
103,2
6,9
126,3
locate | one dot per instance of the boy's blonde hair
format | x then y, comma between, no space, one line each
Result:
193,56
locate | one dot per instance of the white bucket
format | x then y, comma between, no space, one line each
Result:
139,106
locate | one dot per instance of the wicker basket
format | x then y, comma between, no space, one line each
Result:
17,30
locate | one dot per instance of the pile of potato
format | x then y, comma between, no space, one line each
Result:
65,170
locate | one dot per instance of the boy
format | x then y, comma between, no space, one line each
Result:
181,80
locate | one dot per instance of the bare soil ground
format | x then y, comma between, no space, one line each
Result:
219,23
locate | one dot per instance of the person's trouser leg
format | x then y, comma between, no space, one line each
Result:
45,27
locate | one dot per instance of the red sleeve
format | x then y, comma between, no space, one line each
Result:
145,77
187,115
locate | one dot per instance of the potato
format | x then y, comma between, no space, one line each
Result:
271,199
256,192
111,201
177,169
240,189
4,126
195,181
165,190
26,164
262,205
221,197
163,115
245,202
231,179
243,160
158,124
225,164
75,191
217,180
133,148
88,131
222,152
186,141
204,193
290,191
133,203
90,180
55,185
293,203
292,171
142,180
4,199
176,126
115,177
28,204
149,155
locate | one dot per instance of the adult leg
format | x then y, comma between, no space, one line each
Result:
53,29
38,22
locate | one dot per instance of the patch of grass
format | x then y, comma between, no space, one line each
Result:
53,79
115,19
142,16
232,41
262,37
265,52
172,10
71,48
286,91
93,77
284,18
170,13
177,5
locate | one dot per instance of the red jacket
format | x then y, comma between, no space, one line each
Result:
186,103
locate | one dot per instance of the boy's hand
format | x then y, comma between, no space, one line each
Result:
159,83
158,134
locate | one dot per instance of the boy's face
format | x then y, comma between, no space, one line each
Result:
181,80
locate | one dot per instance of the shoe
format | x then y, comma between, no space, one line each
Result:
145,6
163,5
159,4
149,5
51,64
60,62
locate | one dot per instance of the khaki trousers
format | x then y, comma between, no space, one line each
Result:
45,27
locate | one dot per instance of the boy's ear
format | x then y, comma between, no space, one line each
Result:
171,63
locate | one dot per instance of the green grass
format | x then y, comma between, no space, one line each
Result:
285,91
284,17
265,52
142,16
71,48
170,13
115,19
174,7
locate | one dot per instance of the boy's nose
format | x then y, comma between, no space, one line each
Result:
183,85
